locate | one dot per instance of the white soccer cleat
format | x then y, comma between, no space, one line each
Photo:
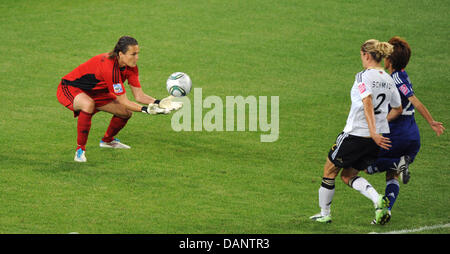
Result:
113,144
80,155
403,168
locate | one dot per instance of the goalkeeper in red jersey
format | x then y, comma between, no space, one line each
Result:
98,85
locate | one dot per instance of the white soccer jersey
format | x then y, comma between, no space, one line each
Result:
380,85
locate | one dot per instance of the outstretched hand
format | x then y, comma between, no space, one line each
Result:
381,141
165,106
169,104
437,127
154,109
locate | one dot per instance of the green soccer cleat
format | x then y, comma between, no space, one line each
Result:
374,222
321,218
382,213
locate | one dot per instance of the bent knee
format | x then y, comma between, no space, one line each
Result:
84,103
89,107
345,179
124,114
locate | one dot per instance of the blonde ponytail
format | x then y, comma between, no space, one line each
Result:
385,49
378,50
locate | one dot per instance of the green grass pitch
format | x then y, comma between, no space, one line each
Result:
305,52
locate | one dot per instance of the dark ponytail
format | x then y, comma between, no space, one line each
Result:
122,46
402,52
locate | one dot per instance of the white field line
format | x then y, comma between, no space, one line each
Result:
406,231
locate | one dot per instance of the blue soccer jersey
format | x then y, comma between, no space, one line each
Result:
405,89
404,135
405,124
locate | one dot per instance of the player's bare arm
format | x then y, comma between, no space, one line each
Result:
130,105
437,127
140,96
381,141
394,113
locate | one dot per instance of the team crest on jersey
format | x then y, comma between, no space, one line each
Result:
362,88
118,88
404,89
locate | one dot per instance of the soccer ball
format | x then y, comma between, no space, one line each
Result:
179,84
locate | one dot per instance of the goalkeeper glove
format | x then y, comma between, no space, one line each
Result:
154,109
167,103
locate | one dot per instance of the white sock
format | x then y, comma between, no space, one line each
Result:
326,193
364,187
325,198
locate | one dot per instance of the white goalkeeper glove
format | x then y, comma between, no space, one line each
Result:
169,104
154,109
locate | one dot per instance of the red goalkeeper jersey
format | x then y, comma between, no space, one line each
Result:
102,73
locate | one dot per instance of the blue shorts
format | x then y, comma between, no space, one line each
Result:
405,140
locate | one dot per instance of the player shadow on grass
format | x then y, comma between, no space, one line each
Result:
70,165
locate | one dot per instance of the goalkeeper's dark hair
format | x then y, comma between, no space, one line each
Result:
122,46
402,52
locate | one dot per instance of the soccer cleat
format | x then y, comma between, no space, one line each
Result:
403,168
382,213
113,144
80,155
321,218
374,222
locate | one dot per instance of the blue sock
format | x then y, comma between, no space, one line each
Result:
372,169
391,191
385,164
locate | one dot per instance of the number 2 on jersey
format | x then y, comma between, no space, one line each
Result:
383,97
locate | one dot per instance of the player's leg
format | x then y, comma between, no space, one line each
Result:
326,192
84,106
411,151
350,177
388,159
356,153
83,102
331,169
121,115
392,187
383,164
365,154
408,151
